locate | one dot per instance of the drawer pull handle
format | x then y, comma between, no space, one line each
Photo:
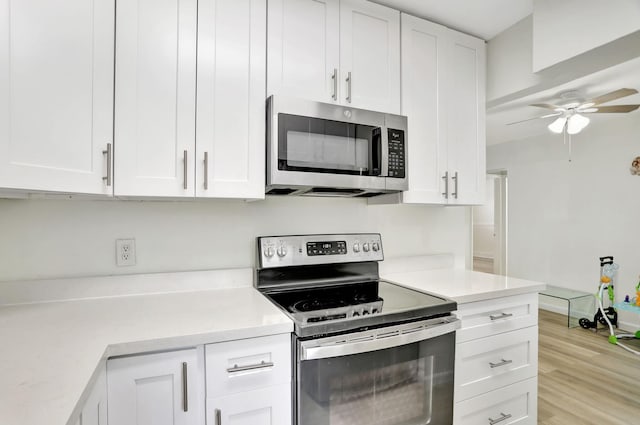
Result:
261,365
502,417
218,416
501,363
500,316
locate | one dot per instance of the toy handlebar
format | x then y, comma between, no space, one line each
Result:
606,260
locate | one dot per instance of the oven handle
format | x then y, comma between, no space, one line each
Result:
313,349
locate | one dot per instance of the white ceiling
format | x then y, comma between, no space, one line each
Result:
626,75
481,18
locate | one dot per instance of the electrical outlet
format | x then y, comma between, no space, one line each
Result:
125,252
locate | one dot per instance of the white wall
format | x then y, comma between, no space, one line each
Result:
583,25
64,238
564,215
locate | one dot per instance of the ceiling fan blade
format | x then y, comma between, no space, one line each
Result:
617,94
547,106
536,118
611,109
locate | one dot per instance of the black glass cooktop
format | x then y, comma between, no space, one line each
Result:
347,307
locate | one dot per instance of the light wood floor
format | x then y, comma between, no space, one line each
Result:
584,380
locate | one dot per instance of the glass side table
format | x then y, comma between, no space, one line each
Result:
579,303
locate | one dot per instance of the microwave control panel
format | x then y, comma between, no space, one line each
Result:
396,153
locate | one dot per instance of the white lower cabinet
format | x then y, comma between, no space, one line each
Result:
157,389
497,361
267,406
516,403
249,381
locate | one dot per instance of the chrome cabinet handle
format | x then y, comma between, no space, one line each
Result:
334,77
185,393
500,316
261,365
500,363
502,417
184,176
446,185
349,86
455,186
109,152
206,170
218,416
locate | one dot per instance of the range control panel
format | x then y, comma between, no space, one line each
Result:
300,250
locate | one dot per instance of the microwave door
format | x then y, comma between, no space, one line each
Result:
319,152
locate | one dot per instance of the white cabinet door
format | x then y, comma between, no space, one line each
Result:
267,406
424,56
155,97
94,411
156,389
370,56
466,119
304,49
230,123
56,94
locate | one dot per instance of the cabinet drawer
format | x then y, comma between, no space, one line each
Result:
491,317
489,363
517,403
267,406
247,364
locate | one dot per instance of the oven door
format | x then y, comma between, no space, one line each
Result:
399,375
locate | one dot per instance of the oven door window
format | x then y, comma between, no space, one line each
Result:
406,385
325,146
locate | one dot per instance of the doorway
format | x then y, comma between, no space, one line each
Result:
490,226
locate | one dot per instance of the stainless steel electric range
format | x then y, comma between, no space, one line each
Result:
366,351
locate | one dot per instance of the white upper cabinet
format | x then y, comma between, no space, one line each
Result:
424,50
155,97
370,55
303,49
230,122
56,94
466,118
443,96
165,148
332,51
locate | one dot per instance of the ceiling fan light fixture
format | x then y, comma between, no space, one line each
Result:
557,126
577,123
587,105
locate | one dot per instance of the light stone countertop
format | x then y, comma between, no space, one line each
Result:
462,286
51,351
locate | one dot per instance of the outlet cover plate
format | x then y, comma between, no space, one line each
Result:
125,252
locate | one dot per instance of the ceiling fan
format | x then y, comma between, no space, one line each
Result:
570,115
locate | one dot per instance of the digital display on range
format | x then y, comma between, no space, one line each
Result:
326,248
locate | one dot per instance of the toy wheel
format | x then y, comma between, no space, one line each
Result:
585,323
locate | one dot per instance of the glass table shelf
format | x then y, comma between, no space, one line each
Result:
579,303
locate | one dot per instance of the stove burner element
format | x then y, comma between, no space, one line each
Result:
317,304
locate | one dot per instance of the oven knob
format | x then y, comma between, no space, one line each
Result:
282,251
355,313
268,252
365,312
365,247
356,247
375,246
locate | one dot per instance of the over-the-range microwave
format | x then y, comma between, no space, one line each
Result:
323,149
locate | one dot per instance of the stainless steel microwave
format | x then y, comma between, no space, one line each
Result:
322,149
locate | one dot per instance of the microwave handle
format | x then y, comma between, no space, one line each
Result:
384,152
